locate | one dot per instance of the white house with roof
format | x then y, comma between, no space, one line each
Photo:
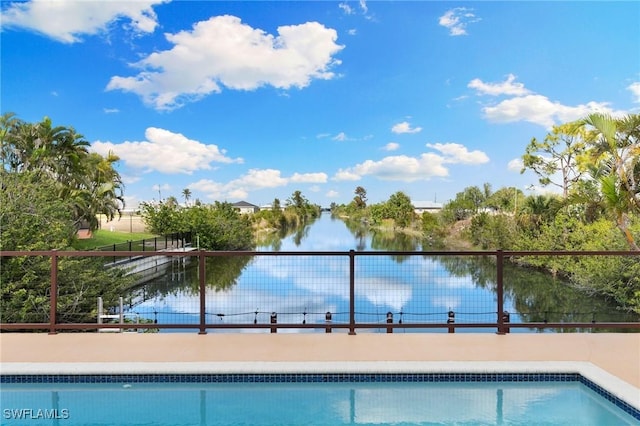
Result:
426,206
245,208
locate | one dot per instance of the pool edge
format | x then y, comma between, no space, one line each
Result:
613,385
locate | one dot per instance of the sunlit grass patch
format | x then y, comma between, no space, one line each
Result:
103,237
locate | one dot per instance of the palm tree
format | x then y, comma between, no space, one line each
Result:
615,158
69,153
98,190
17,145
171,202
90,181
538,210
8,124
186,193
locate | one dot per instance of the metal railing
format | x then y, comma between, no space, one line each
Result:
343,277
176,240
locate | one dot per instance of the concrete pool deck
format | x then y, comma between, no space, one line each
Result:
611,360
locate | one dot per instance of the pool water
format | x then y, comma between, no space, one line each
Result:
342,403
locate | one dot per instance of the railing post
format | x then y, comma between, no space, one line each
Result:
100,309
327,320
352,293
53,296
389,321
273,319
451,319
506,319
500,290
201,278
121,311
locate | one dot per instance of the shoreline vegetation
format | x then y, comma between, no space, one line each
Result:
53,187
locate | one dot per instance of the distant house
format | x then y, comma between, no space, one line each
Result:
426,206
245,208
270,207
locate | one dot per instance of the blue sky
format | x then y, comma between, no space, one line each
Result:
253,100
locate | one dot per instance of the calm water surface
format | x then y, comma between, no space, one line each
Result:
248,289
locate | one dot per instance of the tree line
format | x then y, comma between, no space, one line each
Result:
595,165
219,226
51,186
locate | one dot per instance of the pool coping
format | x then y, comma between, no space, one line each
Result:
615,386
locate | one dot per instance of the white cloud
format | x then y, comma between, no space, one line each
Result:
515,165
409,169
507,87
391,146
634,88
237,194
213,189
405,127
348,10
166,188
253,180
457,19
540,110
397,168
110,110
129,179
223,51
163,187
259,179
352,32
309,178
67,20
341,137
166,152
332,194
363,6
459,154
525,105
346,175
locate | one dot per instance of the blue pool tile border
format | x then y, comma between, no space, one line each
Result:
319,378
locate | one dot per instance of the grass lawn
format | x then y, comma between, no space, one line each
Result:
103,237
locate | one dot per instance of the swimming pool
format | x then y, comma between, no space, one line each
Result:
310,398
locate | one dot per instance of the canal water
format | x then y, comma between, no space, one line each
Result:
302,289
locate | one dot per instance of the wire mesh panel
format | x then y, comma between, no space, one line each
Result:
278,291
25,299
170,293
282,289
537,297
414,288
